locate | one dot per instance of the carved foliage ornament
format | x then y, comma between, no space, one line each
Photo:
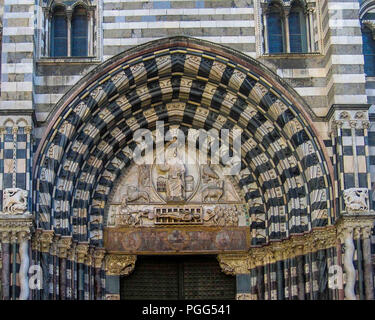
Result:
120,264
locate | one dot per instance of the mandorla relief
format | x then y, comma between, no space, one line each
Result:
174,193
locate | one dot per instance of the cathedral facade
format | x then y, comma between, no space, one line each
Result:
283,211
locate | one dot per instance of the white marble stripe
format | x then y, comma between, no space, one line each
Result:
340,23
17,68
47,98
56,80
135,41
345,40
171,12
19,104
18,47
16,86
14,31
178,24
343,5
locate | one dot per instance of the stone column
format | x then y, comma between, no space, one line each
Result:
5,276
15,229
45,240
286,27
98,264
356,218
69,30
82,250
63,246
23,240
367,262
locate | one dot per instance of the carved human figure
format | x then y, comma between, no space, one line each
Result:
175,183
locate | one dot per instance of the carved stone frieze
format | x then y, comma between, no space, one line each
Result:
120,264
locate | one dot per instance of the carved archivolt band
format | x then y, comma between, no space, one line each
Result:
120,264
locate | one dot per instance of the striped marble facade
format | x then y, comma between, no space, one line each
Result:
67,124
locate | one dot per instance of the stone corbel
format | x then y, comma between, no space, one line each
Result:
120,265
233,264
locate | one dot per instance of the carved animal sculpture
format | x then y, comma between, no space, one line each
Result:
213,193
15,201
133,194
356,199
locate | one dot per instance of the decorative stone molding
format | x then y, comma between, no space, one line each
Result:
112,297
15,228
297,245
120,264
233,264
349,119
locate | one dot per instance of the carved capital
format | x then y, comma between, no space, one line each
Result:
82,250
63,246
45,240
120,264
5,236
233,264
98,257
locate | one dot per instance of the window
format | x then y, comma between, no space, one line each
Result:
297,30
275,31
368,51
69,30
288,28
79,32
59,32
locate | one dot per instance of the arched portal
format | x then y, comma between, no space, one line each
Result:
285,178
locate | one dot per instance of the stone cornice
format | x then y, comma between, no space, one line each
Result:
16,228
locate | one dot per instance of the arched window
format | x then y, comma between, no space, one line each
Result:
79,32
276,43
368,51
297,30
59,34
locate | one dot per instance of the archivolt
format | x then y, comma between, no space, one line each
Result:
189,84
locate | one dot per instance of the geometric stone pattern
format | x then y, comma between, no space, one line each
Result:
192,88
